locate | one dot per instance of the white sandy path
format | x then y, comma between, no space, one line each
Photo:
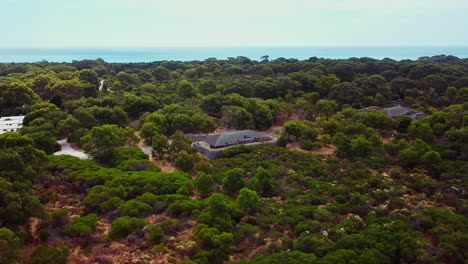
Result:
68,150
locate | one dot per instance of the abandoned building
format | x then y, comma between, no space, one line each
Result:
401,110
11,123
395,111
211,145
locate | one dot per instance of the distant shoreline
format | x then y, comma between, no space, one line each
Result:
145,55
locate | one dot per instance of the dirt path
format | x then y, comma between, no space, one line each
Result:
68,149
328,149
164,165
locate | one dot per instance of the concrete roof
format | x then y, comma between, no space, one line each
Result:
11,118
398,111
233,138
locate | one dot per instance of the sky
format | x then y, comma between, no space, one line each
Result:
193,23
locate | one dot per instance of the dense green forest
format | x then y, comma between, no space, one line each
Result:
341,185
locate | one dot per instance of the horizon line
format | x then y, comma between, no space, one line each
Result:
242,46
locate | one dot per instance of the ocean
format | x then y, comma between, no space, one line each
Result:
124,55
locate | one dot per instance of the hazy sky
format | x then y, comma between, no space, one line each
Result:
147,23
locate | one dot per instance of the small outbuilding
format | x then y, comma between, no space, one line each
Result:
10,123
233,138
401,110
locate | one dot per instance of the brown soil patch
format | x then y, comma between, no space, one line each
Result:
328,149
387,139
164,165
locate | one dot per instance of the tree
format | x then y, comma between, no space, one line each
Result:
237,117
248,200
204,184
265,58
186,89
67,89
157,118
68,127
148,130
212,104
178,143
100,141
422,131
262,117
181,122
360,146
325,108
160,145
184,161
223,246
124,226
347,93
89,76
207,87
408,157
16,95
325,83
202,123
432,160
9,247
342,142
317,244
293,129
264,181
233,181
161,73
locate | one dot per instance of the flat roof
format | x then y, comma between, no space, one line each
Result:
4,122
10,118
10,126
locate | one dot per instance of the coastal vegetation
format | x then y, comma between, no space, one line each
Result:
345,182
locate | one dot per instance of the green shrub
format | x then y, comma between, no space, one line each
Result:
9,246
317,244
306,144
135,208
184,161
170,226
124,226
378,162
155,234
82,226
44,255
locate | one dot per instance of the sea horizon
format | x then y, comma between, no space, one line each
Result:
152,54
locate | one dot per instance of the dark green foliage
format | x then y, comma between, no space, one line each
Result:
155,234
9,247
135,209
377,199
83,226
183,161
204,184
248,200
44,255
132,159
124,226
317,244
233,181
21,163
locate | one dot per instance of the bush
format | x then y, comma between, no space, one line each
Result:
155,234
9,246
82,226
316,244
170,226
306,144
44,255
124,226
135,208
184,161
378,162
